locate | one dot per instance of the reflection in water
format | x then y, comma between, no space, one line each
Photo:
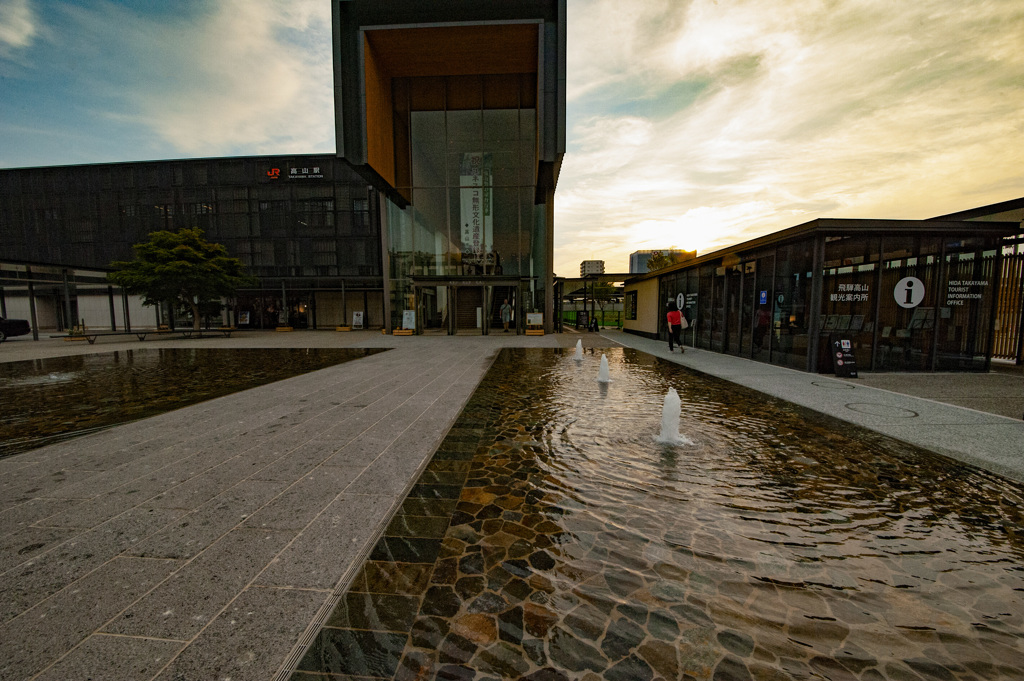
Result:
551,538
48,400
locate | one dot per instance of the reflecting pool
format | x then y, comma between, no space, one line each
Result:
48,400
552,538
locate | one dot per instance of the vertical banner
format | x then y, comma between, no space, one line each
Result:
476,203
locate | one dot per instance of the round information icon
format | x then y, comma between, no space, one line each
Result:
908,292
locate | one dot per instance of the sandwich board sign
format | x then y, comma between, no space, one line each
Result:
843,360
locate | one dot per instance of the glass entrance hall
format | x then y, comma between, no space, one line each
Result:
471,234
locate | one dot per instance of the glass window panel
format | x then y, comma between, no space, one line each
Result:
748,295
792,314
501,125
506,228
907,303
464,136
465,127
430,231
965,295
732,330
706,278
764,303
428,148
505,168
849,283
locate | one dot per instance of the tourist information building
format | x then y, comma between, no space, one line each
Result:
906,295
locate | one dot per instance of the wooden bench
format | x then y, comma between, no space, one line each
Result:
225,331
91,336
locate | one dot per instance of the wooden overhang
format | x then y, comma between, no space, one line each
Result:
389,53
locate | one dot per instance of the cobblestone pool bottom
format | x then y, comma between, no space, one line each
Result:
551,538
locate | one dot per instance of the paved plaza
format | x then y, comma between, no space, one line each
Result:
211,542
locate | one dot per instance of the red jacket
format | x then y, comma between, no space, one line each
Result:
675,318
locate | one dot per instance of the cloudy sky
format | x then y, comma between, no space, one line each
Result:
692,123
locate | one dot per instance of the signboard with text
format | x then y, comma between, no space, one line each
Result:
957,292
843,360
295,173
476,203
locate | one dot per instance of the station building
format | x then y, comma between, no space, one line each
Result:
306,226
456,111
906,295
440,200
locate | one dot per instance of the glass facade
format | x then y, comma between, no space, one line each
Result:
305,226
907,300
467,168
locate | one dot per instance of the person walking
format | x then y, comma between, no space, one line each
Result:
675,326
506,314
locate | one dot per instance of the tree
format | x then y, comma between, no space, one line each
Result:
604,293
659,260
182,268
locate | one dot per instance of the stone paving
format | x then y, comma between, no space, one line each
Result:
205,542
214,541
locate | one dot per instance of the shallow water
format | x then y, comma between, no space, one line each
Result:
551,538
49,400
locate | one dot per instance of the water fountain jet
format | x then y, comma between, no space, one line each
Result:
578,356
670,411
602,374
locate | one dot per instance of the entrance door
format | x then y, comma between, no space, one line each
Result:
498,295
469,307
432,311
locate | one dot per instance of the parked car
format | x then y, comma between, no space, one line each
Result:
13,327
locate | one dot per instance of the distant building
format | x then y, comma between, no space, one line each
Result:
591,267
638,259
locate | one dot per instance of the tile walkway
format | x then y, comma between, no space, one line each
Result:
208,542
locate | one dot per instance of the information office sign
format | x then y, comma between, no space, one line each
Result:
843,361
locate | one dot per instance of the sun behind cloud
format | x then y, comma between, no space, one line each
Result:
759,115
